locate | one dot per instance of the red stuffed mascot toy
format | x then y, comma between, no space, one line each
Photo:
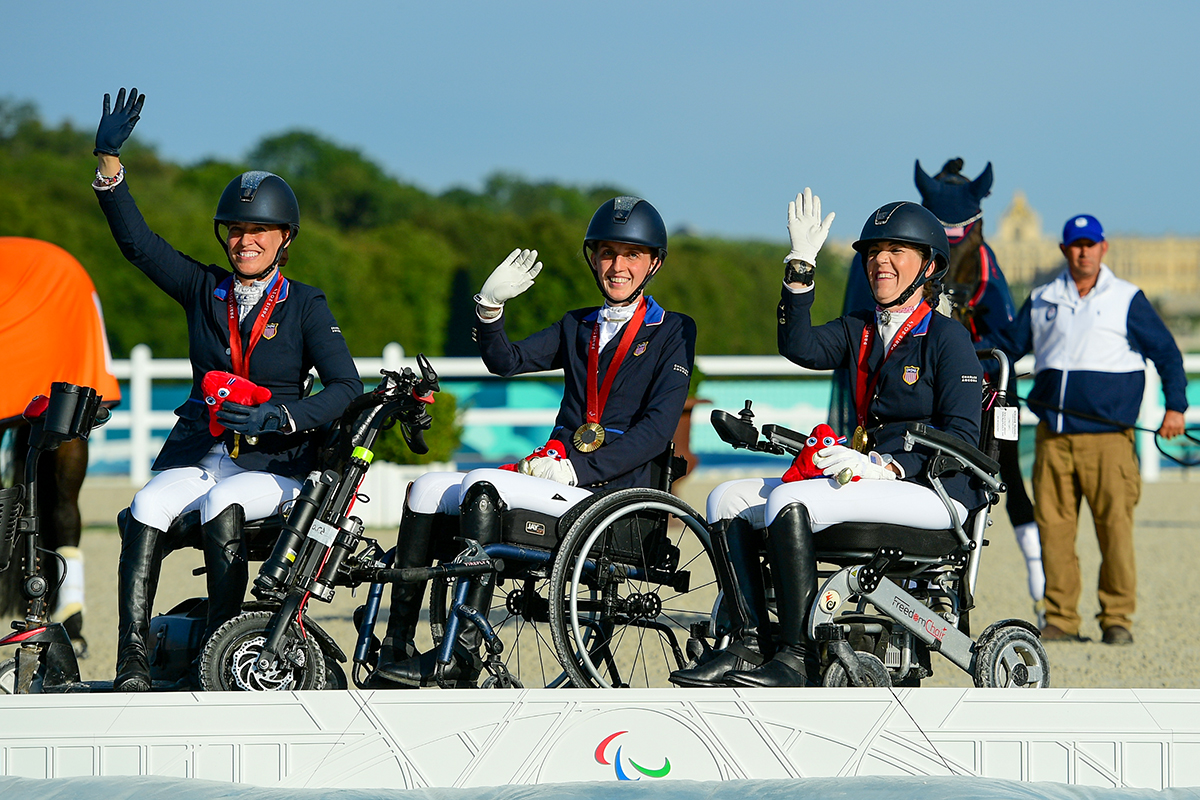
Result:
221,386
802,467
551,449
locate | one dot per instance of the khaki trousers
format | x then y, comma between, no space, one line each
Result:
1103,468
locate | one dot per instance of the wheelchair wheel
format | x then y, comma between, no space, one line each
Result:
8,678
873,670
520,616
1013,657
227,662
631,575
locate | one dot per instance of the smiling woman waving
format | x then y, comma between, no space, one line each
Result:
626,368
252,323
907,364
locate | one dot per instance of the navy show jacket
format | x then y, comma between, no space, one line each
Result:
933,376
304,335
647,395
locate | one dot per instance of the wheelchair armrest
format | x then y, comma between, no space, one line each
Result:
790,440
733,430
969,456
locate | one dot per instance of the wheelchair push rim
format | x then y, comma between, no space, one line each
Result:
602,651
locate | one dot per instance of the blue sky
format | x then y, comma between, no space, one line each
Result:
716,112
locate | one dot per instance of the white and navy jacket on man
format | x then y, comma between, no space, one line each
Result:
1091,353
647,396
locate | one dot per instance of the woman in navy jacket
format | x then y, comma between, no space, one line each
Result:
907,364
626,369
252,322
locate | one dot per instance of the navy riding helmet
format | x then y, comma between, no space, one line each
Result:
912,224
262,197
629,220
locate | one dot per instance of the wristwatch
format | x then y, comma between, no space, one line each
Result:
800,272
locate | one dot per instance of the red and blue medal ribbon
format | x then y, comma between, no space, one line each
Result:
598,398
864,387
241,362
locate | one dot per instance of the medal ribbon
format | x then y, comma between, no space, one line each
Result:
597,400
864,387
241,363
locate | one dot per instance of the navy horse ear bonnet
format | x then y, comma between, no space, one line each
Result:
950,195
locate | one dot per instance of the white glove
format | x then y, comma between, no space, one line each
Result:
514,275
552,469
832,461
805,227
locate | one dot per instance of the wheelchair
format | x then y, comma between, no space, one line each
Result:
305,552
890,595
604,596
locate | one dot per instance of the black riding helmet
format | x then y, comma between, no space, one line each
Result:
262,197
912,224
629,220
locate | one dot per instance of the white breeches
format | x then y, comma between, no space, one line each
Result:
211,486
759,500
442,492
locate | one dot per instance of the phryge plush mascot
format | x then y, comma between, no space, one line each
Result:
221,386
802,467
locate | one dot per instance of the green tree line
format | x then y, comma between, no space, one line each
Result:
398,263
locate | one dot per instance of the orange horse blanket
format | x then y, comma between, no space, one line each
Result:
51,326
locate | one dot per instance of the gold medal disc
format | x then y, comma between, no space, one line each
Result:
588,437
859,440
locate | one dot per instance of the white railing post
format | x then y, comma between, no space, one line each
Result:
1150,417
393,357
140,386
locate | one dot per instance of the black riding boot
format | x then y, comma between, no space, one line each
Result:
740,577
794,566
413,549
137,582
225,563
479,519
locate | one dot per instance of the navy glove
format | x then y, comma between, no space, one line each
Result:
251,420
117,124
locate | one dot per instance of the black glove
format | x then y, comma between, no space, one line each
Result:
117,124
251,420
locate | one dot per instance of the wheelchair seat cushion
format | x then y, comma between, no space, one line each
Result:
866,537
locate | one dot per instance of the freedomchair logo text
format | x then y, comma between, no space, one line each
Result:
622,775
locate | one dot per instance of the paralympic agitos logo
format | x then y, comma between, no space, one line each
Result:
616,763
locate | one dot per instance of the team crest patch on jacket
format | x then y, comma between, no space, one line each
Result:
271,329
641,348
911,374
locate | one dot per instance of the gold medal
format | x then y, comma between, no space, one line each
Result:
588,437
859,440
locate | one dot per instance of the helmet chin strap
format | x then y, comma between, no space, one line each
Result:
907,293
641,287
258,276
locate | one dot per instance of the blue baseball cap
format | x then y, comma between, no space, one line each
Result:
1083,226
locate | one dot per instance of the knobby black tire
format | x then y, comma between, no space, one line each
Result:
238,642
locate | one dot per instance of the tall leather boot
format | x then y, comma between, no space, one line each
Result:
413,549
479,519
137,581
794,566
740,576
226,569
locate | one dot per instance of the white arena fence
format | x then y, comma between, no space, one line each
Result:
141,369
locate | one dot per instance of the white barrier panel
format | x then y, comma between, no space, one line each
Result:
1135,738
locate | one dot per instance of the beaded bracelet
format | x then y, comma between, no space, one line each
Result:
107,181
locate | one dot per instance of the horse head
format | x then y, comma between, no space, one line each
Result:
952,198
955,201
